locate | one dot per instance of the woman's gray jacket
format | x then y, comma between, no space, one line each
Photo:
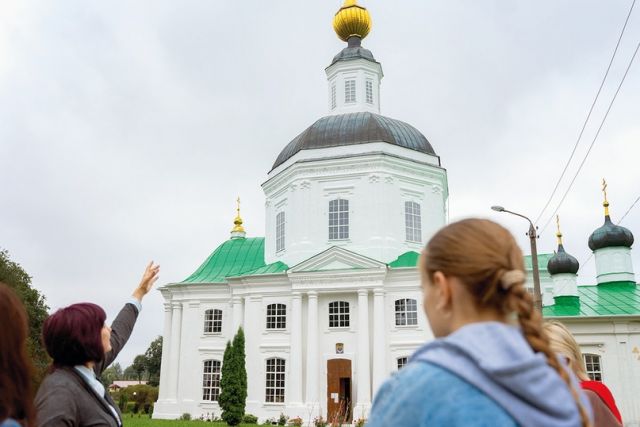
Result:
66,399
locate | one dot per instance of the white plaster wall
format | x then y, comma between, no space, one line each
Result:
565,284
359,70
376,185
614,264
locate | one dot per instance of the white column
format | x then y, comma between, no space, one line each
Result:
166,345
312,351
295,371
363,396
237,314
379,338
174,353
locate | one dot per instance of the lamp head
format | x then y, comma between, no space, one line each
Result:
497,208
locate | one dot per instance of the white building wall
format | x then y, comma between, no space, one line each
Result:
376,184
614,264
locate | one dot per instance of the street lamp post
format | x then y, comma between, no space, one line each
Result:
533,236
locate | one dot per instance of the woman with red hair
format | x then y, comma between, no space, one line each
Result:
82,346
16,407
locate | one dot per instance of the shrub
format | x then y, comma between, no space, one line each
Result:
185,417
282,419
250,419
319,422
130,407
360,422
270,422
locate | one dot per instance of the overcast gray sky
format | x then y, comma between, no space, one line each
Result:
127,129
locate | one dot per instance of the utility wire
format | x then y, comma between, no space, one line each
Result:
586,120
564,196
618,223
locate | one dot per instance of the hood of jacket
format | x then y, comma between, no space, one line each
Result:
497,359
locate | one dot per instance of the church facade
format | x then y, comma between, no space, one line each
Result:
329,299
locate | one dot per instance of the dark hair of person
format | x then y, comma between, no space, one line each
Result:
16,369
479,253
72,335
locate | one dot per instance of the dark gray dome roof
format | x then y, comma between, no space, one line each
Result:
353,53
355,128
354,50
562,262
610,235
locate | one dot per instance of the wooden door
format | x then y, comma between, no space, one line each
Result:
339,390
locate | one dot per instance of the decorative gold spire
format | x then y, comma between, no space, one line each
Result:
606,202
238,228
352,20
558,233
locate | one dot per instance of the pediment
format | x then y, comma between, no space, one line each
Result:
337,258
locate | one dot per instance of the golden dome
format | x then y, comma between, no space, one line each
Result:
352,20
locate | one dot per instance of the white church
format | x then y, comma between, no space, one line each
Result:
330,298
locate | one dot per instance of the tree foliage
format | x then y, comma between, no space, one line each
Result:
154,361
139,365
14,275
233,381
112,373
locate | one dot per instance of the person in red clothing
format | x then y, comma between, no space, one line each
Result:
563,343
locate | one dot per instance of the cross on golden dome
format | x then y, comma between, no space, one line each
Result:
606,202
238,228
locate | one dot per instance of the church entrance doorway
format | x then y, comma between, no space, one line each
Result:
339,403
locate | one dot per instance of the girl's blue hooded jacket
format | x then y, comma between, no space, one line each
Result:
484,374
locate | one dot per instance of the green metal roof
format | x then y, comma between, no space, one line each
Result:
543,259
407,259
607,299
232,258
273,268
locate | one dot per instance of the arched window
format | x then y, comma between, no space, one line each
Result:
276,316
402,361
406,312
339,314
280,232
592,363
274,387
212,321
211,380
412,221
338,219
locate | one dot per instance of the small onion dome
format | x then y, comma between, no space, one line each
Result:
352,20
562,262
610,235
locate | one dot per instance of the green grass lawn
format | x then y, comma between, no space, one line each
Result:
145,421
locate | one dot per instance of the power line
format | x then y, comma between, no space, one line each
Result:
618,223
586,120
564,196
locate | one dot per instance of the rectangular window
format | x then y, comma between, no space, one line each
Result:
275,381
369,92
402,361
333,96
211,380
349,91
406,312
276,316
280,232
339,314
592,363
212,321
413,223
338,219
